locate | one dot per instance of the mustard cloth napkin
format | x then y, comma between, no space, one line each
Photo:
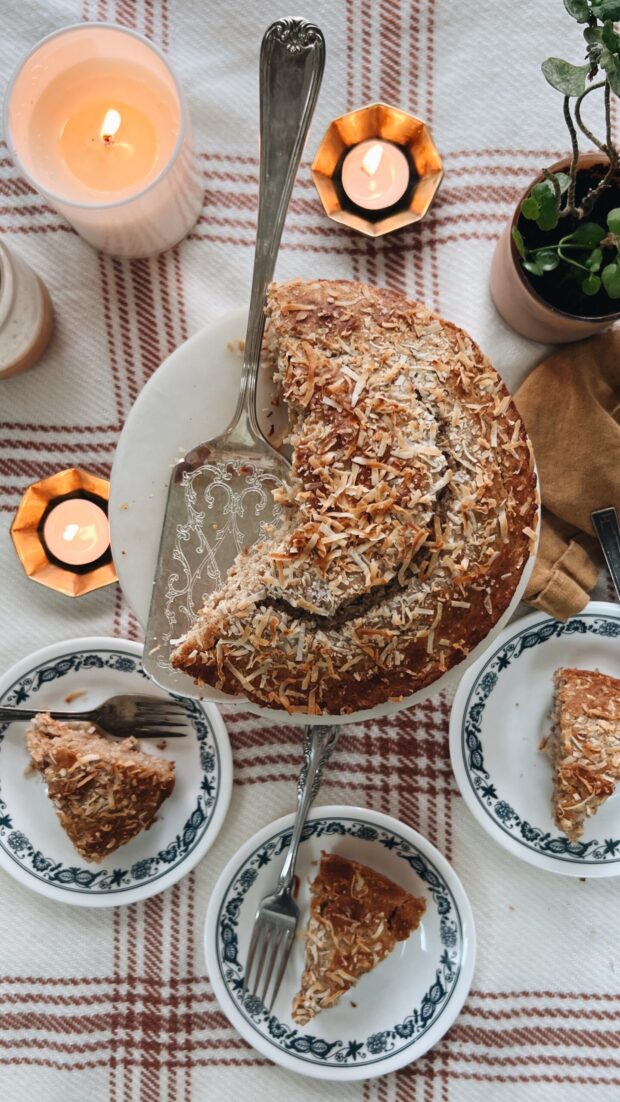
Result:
571,408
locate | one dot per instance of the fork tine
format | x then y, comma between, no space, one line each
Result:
285,953
265,931
273,956
155,730
164,710
250,958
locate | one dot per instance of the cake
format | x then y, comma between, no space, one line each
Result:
410,516
357,916
584,745
104,791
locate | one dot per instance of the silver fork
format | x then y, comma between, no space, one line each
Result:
278,914
606,526
142,716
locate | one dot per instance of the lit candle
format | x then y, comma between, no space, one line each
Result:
98,123
76,531
375,174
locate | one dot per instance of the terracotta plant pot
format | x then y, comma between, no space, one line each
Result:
520,305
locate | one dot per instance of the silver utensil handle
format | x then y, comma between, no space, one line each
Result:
291,67
318,745
606,526
9,714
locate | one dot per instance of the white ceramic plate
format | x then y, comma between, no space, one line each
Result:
191,398
33,847
396,1012
499,717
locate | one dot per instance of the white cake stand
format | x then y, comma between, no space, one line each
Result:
190,398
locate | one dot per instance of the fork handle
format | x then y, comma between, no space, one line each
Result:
319,741
9,714
605,523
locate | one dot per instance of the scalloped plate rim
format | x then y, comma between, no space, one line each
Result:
545,862
137,892
419,1046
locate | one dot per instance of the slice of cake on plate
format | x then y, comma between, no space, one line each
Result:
356,917
584,745
104,791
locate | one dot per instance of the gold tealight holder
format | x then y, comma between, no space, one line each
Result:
62,535
388,126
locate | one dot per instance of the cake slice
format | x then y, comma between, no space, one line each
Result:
584,745
104,791
356,917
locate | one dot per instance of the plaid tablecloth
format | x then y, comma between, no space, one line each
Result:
116,1004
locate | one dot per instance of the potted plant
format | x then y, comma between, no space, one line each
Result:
556,270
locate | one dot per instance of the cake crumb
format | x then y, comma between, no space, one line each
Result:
70,697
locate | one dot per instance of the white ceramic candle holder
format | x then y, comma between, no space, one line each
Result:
26,317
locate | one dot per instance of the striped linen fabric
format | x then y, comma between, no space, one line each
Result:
115,1005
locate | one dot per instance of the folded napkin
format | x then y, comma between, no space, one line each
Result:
570,405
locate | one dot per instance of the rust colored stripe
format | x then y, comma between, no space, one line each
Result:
390,51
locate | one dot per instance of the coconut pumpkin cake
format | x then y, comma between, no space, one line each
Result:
584,746
104,791
410,515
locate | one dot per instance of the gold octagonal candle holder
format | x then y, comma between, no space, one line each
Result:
377,130
62,535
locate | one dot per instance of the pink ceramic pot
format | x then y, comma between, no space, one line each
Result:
520,305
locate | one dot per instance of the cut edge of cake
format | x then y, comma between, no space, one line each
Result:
357,915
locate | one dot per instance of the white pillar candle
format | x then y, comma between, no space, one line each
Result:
98,123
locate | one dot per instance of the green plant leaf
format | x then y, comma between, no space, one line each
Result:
594,260
611,279
569,79
591,285
517,237
606,9
563,180
593,35
610,38
530,208
548,216
578,9
588,233
534,267
613,221
547,259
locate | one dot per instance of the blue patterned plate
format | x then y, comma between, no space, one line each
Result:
33,847
500,716
395,1013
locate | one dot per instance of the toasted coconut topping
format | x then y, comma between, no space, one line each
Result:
584,745
356,918
104,791
412,487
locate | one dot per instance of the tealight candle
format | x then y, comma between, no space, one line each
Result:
98,123
375,174
76,531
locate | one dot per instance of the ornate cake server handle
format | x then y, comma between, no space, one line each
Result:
319,743
291,68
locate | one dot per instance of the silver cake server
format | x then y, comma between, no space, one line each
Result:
220,495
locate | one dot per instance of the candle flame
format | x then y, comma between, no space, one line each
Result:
373,159
110,125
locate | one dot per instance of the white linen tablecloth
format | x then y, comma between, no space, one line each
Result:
116,1004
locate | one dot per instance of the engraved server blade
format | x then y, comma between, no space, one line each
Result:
220,495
